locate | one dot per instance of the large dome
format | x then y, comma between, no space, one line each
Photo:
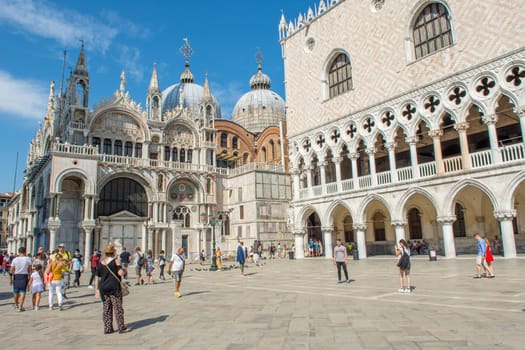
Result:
261,107
189,93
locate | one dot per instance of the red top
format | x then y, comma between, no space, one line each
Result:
95,258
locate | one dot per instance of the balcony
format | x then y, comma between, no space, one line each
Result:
454,165
91,152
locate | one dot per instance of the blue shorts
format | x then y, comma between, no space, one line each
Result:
20,284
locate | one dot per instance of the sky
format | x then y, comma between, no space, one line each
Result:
128,35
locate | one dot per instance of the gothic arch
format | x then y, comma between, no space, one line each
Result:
361,217
101,113
448,205
89,186
507,202
303,215
141,180
193,180
328,217
400,209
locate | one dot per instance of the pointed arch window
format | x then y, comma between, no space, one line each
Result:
414,224
340,75
459,225
432,30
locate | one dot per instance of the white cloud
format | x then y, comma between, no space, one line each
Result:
67,27
22,97
227,96
129,58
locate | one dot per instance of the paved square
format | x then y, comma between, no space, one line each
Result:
293,305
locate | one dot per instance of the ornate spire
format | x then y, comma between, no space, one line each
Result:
50,104
206,93
186,50
81,67
154,82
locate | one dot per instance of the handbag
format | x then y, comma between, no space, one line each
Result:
123,286
404,261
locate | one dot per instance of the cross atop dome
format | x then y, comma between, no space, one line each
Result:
186,49
259,58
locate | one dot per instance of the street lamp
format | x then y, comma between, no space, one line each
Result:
214,220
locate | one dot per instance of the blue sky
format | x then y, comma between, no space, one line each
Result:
128,35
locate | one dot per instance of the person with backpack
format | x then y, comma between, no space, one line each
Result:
139,264
403,254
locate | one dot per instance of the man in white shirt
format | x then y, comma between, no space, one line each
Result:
21,269
176,267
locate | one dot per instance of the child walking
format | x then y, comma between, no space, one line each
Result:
36,285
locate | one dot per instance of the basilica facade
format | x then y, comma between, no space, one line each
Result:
172,174
406,119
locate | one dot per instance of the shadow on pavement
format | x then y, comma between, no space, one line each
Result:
146,322
251,273
6,296
195,293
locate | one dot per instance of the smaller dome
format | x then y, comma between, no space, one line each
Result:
186,76
260,80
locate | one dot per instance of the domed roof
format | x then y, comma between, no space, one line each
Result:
261,107
260,80
189,93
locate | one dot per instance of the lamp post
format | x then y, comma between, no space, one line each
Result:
213,220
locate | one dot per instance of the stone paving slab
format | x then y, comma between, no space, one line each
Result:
293,304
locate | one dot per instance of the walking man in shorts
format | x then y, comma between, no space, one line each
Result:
176,267
21,269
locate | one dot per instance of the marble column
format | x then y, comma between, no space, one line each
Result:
391,146
52,237
412,143
355,176
399,229
29,244
361,239
296,184
493,138
505,219
522,125
87,247
150,244
327,240
463,144
309,182
163,240
448,235
337,163
322,167
438,154
299,244
372,164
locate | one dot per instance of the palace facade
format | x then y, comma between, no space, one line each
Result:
406,119
171,174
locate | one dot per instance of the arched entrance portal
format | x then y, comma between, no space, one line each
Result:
474,214
121,213
314,235
379,233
